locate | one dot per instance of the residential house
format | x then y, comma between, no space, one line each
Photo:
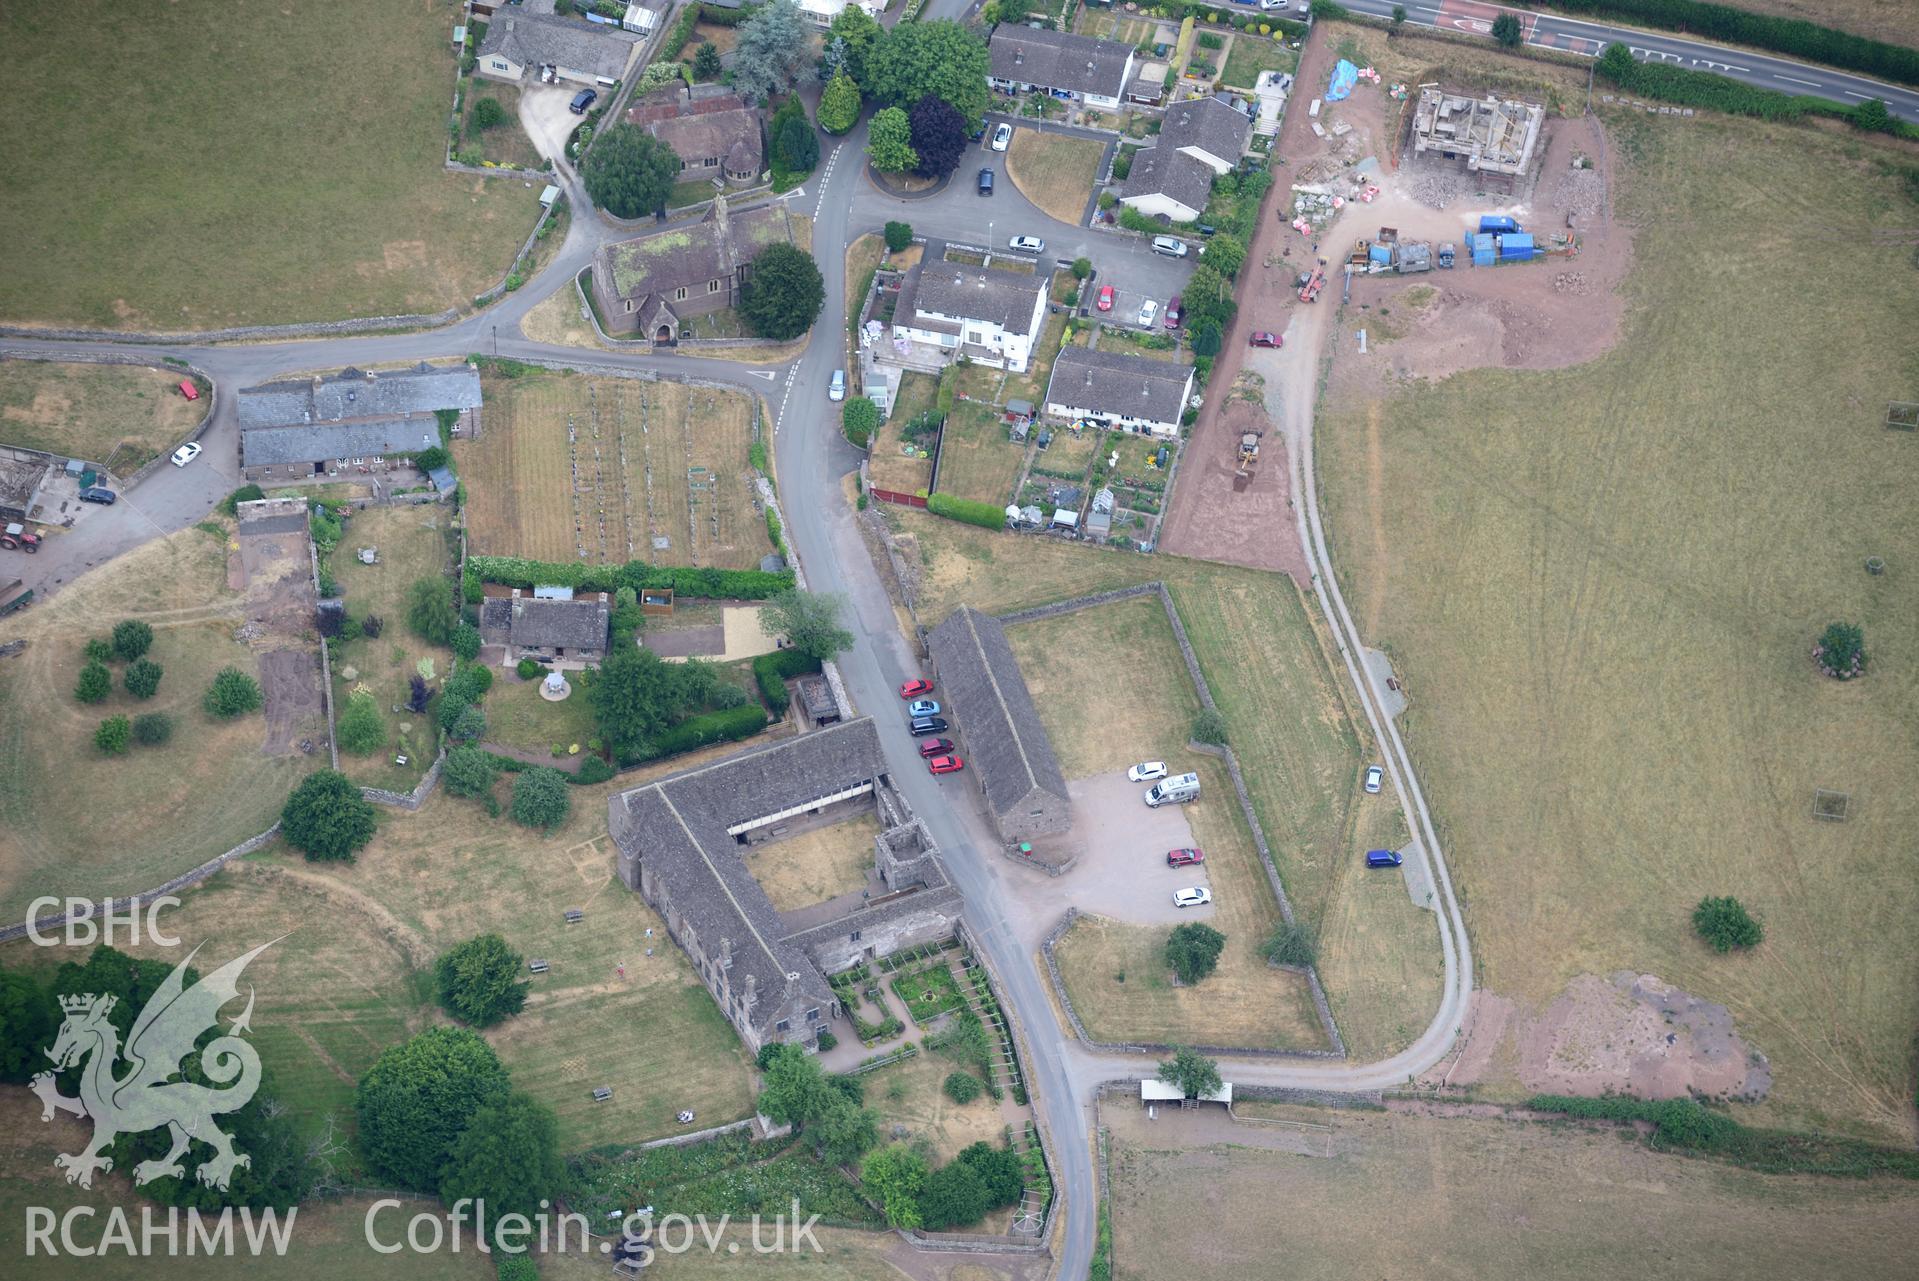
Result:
686,843
353,421
1198,141
651,283
1067,66
990,316
709,127
549,624
1119,391
547,47
1008,754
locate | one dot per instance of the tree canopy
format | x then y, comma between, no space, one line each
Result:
810,620
895,1176
1191,1072
143,677
1224,253
840,101
939,136
859,33
771,52
784,292
479,981
1192,950
796,148
634,697
942,58
860,418
952,1197
540,798
361,731
469,771
1725,924
418,1097
898,235
233,693
131,639
706,61
508,1156
326,817
889,141
429,610
630,173
95,683
29,1017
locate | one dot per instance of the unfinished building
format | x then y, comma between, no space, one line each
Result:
1492,135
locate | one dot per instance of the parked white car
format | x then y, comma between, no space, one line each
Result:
186,453
1027,244
836,390
1147,310
1193,896
1146,772
1002,137
1374,777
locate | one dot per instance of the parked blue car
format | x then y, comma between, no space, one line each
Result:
922,707
1382,858
96,494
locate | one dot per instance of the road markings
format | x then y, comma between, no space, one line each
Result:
1864,97
1810,84
779,419
767,374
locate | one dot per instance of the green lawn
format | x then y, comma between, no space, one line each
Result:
504,144
1602,585
977,460
1252,54
208,167
517,716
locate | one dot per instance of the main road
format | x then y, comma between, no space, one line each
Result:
1576,35
812,458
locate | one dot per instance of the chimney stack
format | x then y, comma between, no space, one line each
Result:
726,953
752,991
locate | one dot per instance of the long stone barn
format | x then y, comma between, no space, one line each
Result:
1008,754
682,843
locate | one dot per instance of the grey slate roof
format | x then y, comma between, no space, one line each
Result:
573,624
1167,171
1208,124
351,395
1115,382
679,824
1005,742
1058,60
531,38
261,446
1006,298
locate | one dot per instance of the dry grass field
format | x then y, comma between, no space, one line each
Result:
1112,689
1406,1195
120,416
909,1094
75,822
815,866
1302,746
572,468
1054,171
413,543
235,201
887,466
977,460
1602,585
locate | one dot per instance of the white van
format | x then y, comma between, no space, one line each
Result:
1171,246
1175,790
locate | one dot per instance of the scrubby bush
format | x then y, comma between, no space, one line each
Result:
530,669
361,730
131,639
1841,652
232,693
488,113
898,235
1294,944
326,817
593,769
430,611
1209,727
969,510
961,1087
540,798
466,642
469,771
114,736
95,683
1725,924
98,649
152,729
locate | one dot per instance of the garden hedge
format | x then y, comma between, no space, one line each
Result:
969,510
729,726
774,669
710,584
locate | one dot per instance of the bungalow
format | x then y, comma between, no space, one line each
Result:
554,49
990,316
1209,130
1075,68
1119,391
1198,141
709,127
548,624
650,283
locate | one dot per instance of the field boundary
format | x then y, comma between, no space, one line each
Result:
1225,753
242,333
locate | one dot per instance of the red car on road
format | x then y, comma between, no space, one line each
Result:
945,765
936,746
1264,339
1105,298
913,689
1184,858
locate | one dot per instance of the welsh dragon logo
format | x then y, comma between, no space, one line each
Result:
150,1093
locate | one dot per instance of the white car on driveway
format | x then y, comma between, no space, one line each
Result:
186,453
1002,137
1193,896
1146,772
1147,310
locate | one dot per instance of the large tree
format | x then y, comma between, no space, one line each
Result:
939,136
540,798
418,1097
783,293
1208,297
469,771
479,981
1190,1072
1224,253
953,1197
29,1017
810,620
941,58
889,142
326,817
840,103
796,148
794,1089
858,34
1192,950
771,52
429,610
1001,1170
634,697
630,173
507,1156
894,1176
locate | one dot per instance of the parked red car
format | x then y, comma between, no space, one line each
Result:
1105,298
935,746
1184,858
1174,310
913,689
1264,339
945,765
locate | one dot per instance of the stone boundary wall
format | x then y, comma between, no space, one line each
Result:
179,882
133,361
414,799
245,333
545,176
1320,1003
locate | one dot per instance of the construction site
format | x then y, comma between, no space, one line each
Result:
1492,135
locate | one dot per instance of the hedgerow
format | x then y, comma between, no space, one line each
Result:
970,510
707,583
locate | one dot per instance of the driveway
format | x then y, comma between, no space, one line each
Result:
546,119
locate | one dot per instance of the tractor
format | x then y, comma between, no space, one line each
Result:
1248,460
15,538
